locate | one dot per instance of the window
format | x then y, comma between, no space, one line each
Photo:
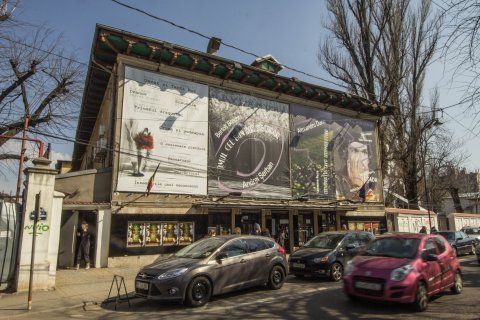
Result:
352,239
440,244
430,247
365,238
155,233
234,248
255,245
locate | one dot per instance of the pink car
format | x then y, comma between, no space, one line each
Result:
404,268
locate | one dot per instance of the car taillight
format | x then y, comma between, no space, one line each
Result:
282,251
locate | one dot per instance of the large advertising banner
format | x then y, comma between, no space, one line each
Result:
248,146
311,153
164,131
333,156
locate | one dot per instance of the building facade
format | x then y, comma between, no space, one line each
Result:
222,144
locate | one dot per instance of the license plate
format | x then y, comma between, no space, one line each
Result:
368,285
298,265
141,285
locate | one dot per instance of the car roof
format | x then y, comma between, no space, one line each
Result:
404,235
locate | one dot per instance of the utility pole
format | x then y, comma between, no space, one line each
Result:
34,239
22,157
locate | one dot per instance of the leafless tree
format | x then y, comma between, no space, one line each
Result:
380,50
462,49
38,81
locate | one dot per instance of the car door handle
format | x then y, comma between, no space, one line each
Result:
267,255
243,261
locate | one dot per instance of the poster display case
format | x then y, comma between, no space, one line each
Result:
155,233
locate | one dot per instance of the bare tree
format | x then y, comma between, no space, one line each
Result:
462,49
380,50
38,81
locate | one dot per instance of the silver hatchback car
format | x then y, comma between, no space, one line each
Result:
213,266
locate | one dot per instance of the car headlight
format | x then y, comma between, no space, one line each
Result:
401,273
320,259
349,268
172,273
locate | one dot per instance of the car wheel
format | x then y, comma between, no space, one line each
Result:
336,272
199,292
457,284
276,277
473,251
421,298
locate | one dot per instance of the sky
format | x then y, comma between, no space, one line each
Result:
289,30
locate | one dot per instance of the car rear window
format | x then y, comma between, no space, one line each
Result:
255,245
471,230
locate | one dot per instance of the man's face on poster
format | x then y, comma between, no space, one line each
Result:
357,163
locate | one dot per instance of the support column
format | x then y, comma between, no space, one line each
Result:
233,212
104,219
291,242
316,212
264,219
40,178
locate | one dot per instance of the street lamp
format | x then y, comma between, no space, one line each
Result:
432,123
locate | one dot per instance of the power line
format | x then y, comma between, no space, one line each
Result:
223,43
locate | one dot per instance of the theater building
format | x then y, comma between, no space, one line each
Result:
226,144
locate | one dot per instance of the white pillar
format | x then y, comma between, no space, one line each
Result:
40,179
104,218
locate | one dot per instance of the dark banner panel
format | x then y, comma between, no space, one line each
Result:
248,146
333,156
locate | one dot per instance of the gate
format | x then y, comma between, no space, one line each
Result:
9,238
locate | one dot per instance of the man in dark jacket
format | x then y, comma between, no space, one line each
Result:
85,239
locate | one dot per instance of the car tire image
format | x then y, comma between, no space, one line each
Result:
336,272
457,284
421,298
199,292
276,278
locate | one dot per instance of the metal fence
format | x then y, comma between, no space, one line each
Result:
9,241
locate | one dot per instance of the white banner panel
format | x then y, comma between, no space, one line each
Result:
164,125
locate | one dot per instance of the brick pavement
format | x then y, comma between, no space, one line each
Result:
73,288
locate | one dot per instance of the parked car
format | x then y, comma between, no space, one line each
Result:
213,266
473,232
460,242
326,254
404,268
477,251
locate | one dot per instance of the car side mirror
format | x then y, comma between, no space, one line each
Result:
221,255
350,246
429,257
458,239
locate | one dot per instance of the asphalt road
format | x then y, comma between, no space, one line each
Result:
298,299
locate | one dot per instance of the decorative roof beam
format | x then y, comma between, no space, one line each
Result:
229,72
195,61
153,49
104,38
212,69
247,74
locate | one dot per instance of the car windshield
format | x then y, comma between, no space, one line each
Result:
448,235
201,249
325,241
472,231
393,247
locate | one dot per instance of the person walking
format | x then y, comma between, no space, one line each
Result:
85,239
281,237
257,230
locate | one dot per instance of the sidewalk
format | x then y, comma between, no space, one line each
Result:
74,289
